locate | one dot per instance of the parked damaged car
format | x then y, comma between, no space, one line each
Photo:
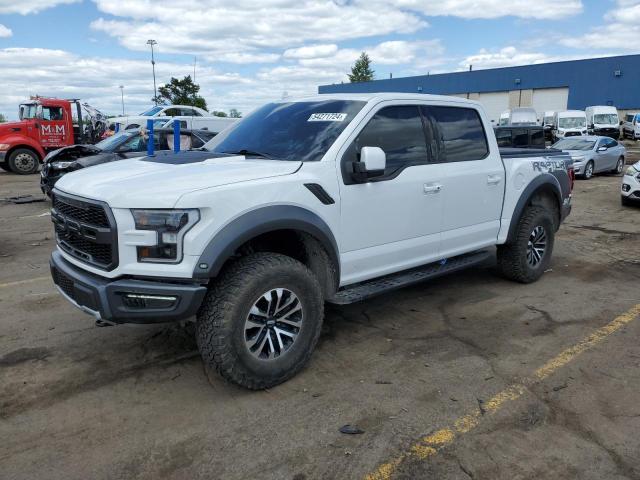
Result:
130,143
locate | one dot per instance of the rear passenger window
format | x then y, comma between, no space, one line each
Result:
461,134
398,132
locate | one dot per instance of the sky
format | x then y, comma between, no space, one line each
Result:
249,52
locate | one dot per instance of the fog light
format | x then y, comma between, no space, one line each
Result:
136,300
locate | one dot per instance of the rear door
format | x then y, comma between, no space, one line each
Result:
473,187
391,222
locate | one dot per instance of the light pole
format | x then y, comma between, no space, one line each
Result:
151,43
122,96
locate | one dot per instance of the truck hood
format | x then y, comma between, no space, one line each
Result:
160,181
8,127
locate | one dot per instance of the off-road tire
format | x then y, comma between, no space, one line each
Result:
16,165
221,319
512,257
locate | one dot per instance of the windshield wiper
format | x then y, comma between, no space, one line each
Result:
250,153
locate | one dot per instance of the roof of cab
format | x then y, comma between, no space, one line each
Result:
378,97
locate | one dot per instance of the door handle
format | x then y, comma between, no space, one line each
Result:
430,188
494,179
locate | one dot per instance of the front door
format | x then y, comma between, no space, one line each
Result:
391,222
53,127
473,187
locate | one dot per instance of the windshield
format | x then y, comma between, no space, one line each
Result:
151,112
572,122
301,131
28,110
606,118
574,144
548,120
109,144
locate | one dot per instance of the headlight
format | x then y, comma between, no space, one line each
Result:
63,165
170,227
631,171
578,159
4,146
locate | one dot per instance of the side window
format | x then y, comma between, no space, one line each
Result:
504,138
520,138
398,131
187,112
610,143
52,113
461,134
537,138
171,112
196,113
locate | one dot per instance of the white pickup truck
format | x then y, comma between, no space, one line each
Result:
190,117
331,198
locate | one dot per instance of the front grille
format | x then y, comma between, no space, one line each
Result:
572,134
86,230
82,212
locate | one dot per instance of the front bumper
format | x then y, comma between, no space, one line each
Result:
3,155
109,300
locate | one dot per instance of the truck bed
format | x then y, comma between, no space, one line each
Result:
529,152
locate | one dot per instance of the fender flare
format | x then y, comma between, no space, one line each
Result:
541,181
257,222
20,141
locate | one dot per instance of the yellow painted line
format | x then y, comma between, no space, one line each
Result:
430,445
22,282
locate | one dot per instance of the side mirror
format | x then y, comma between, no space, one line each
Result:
372,163
602,149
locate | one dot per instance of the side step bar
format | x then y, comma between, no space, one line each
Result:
361,291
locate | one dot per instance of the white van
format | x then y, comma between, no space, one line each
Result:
570,123
603,120
519,116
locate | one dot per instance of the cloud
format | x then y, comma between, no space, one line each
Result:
58,73
5,32
26,7
311,51
218,26
487,9
622,28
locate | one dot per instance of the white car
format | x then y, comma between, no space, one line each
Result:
630,190
570,123
603,120
631,126
190,117
329,198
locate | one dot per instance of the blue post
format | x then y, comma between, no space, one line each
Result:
176,136
117,128
150,145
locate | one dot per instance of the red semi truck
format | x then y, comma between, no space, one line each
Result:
47,124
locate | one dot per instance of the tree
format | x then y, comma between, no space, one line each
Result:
2,118
181,92
219,114
361,70
234,113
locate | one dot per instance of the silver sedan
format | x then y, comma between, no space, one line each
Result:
593,154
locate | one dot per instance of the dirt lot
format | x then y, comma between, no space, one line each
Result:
443,377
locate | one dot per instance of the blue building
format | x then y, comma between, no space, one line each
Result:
549,86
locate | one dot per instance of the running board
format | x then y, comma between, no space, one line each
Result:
361,291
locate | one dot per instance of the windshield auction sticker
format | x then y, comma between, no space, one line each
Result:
327,117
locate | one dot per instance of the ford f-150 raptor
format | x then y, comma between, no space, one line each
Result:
331,198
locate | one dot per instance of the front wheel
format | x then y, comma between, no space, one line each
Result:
260,322
526,258
23,161
588,171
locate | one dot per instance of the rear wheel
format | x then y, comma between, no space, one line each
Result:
260,322
23,161
619,166
526,258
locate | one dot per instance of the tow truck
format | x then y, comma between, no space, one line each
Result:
47,124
